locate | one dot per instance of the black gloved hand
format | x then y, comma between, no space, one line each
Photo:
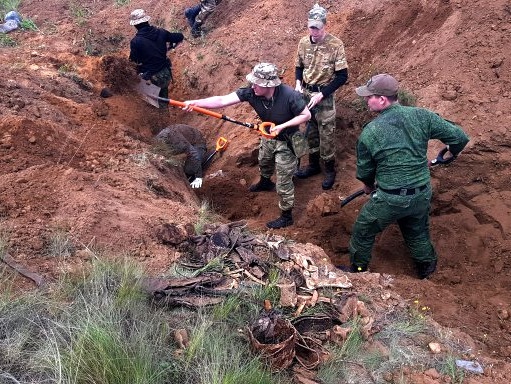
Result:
145,76
440,159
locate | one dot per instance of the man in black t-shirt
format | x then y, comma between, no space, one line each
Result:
280,104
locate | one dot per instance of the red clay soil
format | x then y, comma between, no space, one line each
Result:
75,161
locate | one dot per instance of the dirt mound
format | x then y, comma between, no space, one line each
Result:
74,161
119,74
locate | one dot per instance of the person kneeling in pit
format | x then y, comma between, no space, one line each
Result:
182,138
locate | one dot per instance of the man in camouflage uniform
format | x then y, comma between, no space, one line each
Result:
148,49
321,69
198,14
278,103
181,138
392,164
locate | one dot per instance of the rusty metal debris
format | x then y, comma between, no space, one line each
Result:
227,256
274,338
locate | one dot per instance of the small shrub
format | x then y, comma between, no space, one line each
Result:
67,68
450,369
407,98
28,25
80,13
206,215
7,41
60,244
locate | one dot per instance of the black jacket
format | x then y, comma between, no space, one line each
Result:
181,138
149,49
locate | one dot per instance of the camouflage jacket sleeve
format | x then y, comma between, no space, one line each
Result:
392,149
448,133
366,166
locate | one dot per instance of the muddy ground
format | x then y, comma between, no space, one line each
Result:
77,162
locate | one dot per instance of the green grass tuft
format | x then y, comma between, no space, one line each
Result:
7,41
28,25
9,5
60,244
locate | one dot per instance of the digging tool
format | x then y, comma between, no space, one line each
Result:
262,128
351,197
221,145
149,92
440,159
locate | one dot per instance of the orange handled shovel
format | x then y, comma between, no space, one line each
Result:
221,145
263,128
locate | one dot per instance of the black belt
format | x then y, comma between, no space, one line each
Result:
405,191
312,87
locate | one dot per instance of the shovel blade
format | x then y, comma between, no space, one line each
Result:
148,92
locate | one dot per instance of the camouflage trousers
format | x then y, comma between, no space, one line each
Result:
206,8
411,214
321,127
276,155
162,79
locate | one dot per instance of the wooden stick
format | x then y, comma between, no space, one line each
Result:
38,279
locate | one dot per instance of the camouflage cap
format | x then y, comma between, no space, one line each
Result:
265,75
317,17
138,16
382,84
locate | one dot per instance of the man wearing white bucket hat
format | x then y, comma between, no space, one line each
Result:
280,104
148,49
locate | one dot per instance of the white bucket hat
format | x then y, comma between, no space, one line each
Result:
138,16
265,75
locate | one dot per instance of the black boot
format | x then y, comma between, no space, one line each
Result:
285,220
191,14
264,184
311,169
328,183
425,269
196,29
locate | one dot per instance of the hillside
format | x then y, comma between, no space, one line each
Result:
72,161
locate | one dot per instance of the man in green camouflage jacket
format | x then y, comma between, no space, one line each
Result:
321,68
392,164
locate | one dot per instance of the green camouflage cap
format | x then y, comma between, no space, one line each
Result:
317,17
265,75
